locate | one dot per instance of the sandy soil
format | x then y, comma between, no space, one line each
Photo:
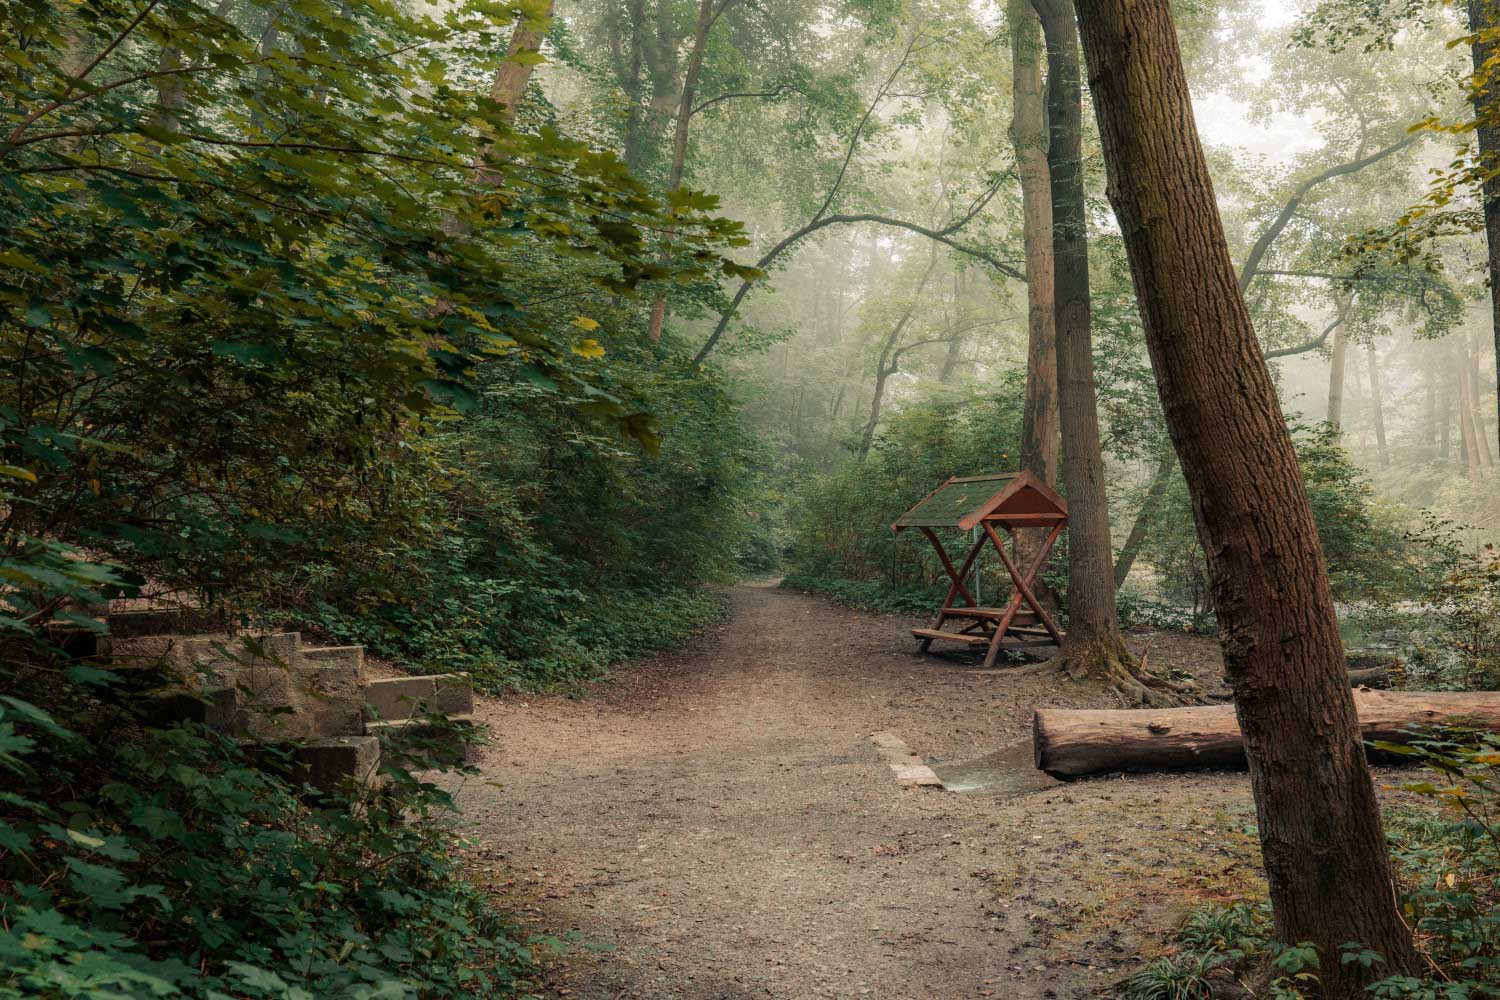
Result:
715,823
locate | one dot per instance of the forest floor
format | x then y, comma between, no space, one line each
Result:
716,823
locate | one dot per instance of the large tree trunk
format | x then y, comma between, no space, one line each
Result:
1093,648
1069,743
1028,134
1320,828
1336,373
1482,17
1377,408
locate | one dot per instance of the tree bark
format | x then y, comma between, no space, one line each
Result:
1319,821
1377,406
1093,648
1069,743
1028,134
1486,99
1336,373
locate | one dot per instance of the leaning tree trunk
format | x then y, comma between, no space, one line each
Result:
1321,836
1093,648
1486,99
1160,480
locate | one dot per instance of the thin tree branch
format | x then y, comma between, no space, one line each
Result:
76,80
777,91
1316,342
940,235
1251,267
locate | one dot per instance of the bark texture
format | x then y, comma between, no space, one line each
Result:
1320,828
1069,743
1486,98
1093,648
1028,134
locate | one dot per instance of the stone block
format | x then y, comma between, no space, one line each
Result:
412,697
418,744
333,692
215,707
164,621
326,764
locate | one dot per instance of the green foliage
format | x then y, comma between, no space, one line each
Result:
270,336
869,595
1447,856
1366,549
1443,627
147,862
843,519
1174,977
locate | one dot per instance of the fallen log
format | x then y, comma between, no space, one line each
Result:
1371,677
1069,743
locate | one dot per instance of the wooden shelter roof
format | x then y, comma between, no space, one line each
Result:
964,501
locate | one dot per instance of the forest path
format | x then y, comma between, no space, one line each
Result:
717,823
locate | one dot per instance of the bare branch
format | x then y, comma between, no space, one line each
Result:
1251,267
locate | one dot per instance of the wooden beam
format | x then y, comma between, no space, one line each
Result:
1023,583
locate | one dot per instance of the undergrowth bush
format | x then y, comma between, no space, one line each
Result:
1448,874
869,595
138,861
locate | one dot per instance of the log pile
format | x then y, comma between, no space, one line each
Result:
1069,743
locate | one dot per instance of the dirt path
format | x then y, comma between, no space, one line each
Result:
718,824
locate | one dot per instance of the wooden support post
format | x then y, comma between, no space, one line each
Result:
1023,584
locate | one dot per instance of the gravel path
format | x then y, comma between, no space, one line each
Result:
716,823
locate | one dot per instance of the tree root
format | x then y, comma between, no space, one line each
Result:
1102,663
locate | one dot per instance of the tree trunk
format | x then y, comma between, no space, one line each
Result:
1028,134
634,146
885,367
1482,17
1486,453
706,17
1336,373
1093,648
1069,743
1466,435
1160,479
1320,827
511,80
1377,409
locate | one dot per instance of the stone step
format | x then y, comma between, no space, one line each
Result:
415,743
326,763
400,698
164,621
